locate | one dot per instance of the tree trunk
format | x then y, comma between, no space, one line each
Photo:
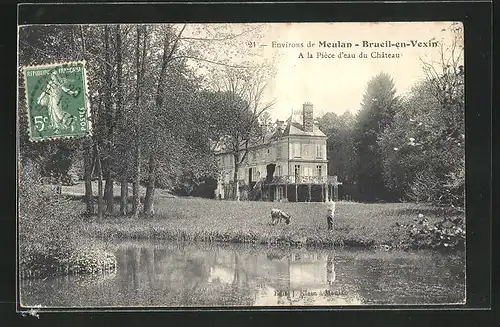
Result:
100,202
108,193
108,188
137,155
236,181
124,195
150,189
89,198
136,183
122,121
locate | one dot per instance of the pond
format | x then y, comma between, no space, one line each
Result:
166,274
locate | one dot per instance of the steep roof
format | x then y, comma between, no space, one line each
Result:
295,128
292,127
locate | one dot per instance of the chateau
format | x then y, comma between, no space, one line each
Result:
288,165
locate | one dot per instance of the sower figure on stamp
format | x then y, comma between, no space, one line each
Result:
51,98
330,216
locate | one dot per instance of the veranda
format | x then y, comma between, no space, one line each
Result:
289,188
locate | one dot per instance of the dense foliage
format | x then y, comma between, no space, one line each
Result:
408,147
47,223
154,121
377,111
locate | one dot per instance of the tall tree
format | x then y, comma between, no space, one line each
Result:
109,118
340,143
423,149
240,102
377,111
140,57
170,46
121,117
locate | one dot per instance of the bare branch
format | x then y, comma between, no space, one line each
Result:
209,61
230,37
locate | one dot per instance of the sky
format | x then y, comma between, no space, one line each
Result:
330,84
338,84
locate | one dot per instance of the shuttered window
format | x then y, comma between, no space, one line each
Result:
297,150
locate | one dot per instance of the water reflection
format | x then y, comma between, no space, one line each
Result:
193,275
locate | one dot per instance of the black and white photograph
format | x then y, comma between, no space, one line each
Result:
212,165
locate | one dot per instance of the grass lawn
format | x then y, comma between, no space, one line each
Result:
249,222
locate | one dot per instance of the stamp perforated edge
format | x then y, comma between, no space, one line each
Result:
86,100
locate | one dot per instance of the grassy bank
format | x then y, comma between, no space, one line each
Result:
356,224
50,238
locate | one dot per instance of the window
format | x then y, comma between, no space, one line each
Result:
297,150
297,171
278,170
304,150
319,151
255,174
319,170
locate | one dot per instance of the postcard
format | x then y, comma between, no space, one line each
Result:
261,165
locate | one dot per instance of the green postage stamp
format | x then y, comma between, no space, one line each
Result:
56,97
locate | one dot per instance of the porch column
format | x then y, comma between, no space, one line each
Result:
309,191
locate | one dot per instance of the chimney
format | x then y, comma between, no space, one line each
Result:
307,117
279,126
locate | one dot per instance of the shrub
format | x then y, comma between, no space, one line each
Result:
47,223
446,233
